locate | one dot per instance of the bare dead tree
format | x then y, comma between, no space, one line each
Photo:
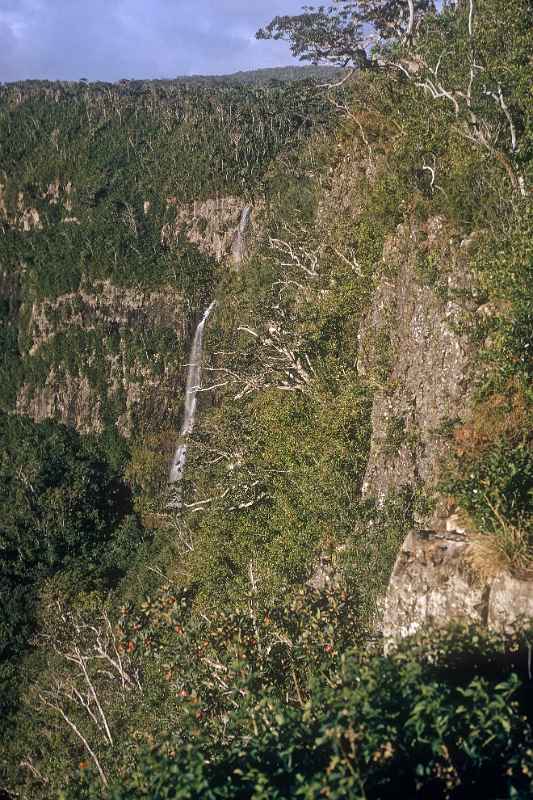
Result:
480,130
47,700
93,668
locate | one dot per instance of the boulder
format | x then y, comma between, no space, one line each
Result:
432,584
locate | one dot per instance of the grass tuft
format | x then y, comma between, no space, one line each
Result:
508,548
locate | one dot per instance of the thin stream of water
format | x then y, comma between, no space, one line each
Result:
195,365
193,384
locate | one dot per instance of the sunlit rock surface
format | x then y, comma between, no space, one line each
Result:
432,585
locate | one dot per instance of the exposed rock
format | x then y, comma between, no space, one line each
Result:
144,395
68,191
102,302
30,220
415,349
240,237
328,569
511,598
26,217
52,193
139,386
432,585
212,225
68,398
116,374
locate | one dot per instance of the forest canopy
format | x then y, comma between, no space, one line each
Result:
231,645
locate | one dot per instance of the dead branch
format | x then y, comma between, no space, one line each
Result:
342,81
55,707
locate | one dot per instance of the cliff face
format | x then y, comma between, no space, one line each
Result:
347,303
212,225
118,206
432,584
415,349
109,354
21,214
111,322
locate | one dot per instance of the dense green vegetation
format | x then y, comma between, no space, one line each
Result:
100,170
446,715
270,76
297,456
66,515
151,653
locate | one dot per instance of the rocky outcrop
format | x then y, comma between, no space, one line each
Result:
100,304
68,398
511,597
21,214
432,585
213,225
112,373
138,393
415,351
86,358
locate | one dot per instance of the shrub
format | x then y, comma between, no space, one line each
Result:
508,548
441,717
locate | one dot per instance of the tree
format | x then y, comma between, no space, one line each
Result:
59,498
454,58
344,34
62,509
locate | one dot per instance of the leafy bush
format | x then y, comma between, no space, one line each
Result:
63,509
445,715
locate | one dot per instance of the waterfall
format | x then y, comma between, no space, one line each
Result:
193,382
238,246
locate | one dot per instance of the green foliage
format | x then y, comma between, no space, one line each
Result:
294,491
339,34
269,76
503,478
59,498
493,466
9,346
64,510
243,684
91,175
206,140
443,715
379,532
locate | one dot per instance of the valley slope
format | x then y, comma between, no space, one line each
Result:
366,375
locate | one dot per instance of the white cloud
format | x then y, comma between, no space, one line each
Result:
112,39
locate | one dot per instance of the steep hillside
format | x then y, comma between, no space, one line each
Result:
100,190
364,409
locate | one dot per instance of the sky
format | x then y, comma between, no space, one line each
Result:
114,39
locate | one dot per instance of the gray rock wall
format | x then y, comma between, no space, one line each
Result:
415,350
432,585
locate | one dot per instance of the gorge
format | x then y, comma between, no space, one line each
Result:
309,574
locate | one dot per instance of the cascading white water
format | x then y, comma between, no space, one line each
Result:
238,246
191,391
195,365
